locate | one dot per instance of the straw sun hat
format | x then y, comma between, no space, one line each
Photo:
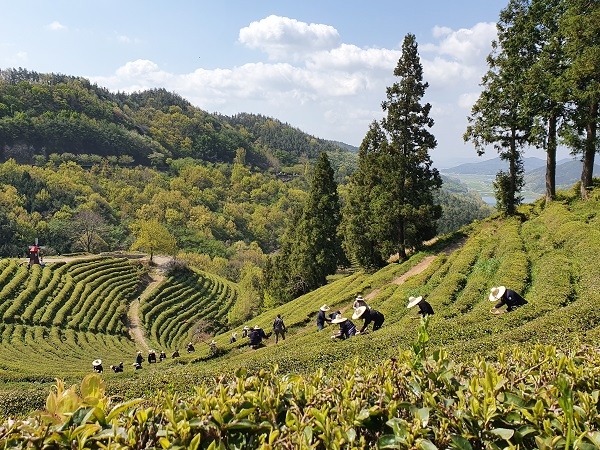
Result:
358,312
96,362
496,293
325,308
414,301
339,319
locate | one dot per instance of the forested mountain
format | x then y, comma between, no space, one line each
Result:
63,117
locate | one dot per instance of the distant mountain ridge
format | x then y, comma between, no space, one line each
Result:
492,166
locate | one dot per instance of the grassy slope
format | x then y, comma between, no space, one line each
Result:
548,254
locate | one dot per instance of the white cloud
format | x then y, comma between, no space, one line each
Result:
469,45
468,99
335,90
56,26
124,39
282,37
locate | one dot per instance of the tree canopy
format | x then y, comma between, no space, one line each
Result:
390,204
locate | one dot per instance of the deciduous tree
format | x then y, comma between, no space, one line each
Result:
153,237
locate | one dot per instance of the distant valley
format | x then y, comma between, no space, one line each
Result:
480,176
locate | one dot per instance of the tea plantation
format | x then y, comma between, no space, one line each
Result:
525,379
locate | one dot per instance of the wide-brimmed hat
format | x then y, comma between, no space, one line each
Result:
246,327
151,351
358,312
256,327
360,298
496,293
339,319
96,362
139,352
325,308
234,334
414,301
213,342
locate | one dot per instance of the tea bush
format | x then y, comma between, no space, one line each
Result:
541,398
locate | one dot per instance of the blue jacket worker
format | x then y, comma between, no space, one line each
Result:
507,297
321,318
368,315
425,308
347,328
255,336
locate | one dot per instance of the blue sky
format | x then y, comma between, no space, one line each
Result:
321,66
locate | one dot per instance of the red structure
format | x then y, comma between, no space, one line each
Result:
34,255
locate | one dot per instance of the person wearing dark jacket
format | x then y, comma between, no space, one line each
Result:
255,336
279,328
97,366
347,328
425,308
368,315
162,356
507,297
151,357
139,359
321,318
190,348
117,369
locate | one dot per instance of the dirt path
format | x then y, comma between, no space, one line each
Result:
135,329
418,268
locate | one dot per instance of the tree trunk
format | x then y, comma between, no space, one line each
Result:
512,170
589,151
551,160
401,245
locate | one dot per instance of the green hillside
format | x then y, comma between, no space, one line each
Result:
66,118
50,328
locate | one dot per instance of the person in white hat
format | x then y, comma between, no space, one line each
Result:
214,349
425,308
321,318
507,297
347,328
151,357
233,337
245,331
358,302
97,366
368,315
190,347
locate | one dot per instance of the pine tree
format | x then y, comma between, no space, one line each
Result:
390,204
311,247
502,115
318,248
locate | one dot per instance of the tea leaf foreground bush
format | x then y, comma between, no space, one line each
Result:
540,398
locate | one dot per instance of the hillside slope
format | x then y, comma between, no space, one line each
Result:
547,254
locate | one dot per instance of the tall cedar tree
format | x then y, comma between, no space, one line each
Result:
390,205
501,116
545,91
580,26
311,248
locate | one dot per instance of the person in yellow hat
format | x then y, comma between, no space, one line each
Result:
507,297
